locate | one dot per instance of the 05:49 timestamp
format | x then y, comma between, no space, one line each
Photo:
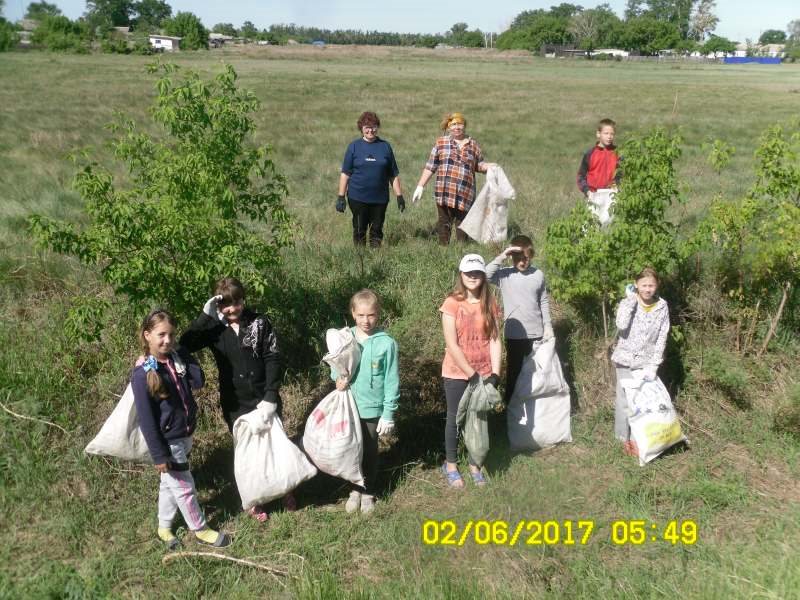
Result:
640,531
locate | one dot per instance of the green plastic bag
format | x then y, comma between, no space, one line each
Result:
473,409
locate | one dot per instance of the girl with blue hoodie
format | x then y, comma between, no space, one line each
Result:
376,388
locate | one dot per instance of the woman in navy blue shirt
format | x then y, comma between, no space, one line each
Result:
368,168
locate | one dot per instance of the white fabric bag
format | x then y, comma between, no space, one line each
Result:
487,219
332,436
266,463
652,417
600,203
120,436
538,414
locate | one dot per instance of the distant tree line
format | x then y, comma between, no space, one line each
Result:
646,27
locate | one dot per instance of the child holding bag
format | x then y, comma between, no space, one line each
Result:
470,317
643,326
162,390
375,387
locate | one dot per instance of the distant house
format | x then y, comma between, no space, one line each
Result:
610,51
165,43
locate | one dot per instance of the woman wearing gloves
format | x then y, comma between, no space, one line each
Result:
643,327
455,158
368,168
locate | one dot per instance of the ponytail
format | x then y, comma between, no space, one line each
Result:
155,386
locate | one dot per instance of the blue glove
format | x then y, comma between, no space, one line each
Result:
340,204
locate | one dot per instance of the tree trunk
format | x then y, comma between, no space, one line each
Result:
748,339
774,324
605,321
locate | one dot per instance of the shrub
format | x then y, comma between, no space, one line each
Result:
189,214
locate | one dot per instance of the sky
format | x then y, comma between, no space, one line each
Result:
739,19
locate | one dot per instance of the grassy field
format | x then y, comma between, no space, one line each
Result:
85,528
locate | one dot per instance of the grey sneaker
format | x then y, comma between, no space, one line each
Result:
367,504
353,502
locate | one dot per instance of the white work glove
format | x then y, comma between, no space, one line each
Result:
384,427
548,333
649,373
417,194
211,308
267,408
630,291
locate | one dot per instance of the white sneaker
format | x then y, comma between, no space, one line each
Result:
353,502
367,504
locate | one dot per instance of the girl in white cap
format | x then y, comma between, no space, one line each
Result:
470,317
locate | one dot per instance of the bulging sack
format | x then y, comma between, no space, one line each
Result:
332,436
600,203
538,414
266,463
487,219
654,423
120,436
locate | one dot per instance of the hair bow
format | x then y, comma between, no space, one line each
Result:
150,364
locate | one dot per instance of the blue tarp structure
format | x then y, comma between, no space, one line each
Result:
762,60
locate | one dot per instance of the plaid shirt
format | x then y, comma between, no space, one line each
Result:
455,171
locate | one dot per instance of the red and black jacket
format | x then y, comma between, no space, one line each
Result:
599,169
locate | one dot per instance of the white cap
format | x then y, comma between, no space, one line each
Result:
472,262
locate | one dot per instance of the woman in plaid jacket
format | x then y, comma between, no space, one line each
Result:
455,158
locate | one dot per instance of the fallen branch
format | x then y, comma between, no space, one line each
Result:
239,561
697,427
11,412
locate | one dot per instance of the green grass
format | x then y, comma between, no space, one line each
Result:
84,528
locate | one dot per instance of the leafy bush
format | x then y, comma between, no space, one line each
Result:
59,34
588,264
8,35
756,238
189,212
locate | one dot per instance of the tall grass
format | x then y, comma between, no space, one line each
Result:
78,527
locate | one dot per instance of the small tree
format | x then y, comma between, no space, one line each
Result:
757,238
190,28
193,204
772,36
589,265
39,10
719,45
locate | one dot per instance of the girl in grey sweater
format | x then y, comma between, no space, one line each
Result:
643,327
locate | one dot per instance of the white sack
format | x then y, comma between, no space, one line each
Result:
332,436
652,418
487,219
600,203
120,436
538,414
266,463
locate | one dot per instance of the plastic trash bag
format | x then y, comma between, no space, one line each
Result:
487,219
120,436
332,436
600,203
473,409
653,421
266,463
538,414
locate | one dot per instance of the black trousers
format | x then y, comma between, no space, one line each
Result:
369,460
516,351
367,217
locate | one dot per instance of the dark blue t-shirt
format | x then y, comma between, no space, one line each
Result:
371,167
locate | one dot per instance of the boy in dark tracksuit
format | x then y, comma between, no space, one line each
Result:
245,349
599,166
